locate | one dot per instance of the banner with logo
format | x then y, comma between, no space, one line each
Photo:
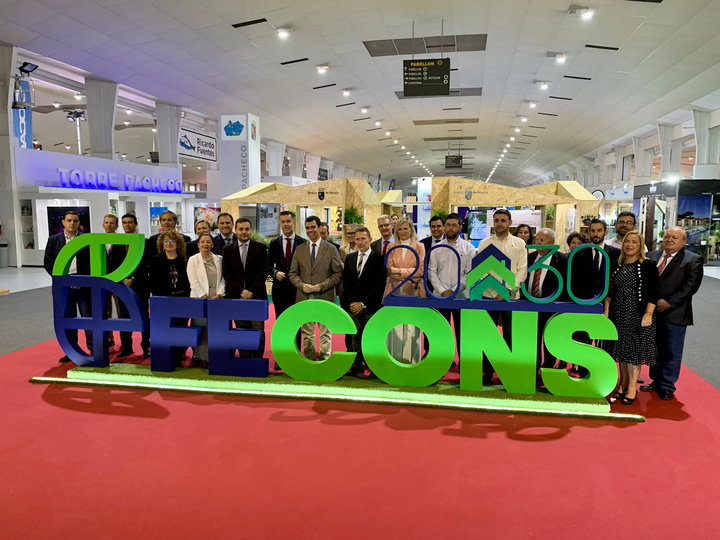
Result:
196,145
239,152
22,120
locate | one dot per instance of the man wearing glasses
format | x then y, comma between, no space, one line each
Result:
625,223
380,245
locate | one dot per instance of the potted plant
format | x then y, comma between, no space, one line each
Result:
439,212
704,240
661,233
352,215
587,220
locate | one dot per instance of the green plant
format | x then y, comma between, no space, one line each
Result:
704,239
439,212
352,215
257,237
549,213
587,220
661,233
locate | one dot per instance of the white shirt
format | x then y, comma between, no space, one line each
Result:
73,264
515,250
442,268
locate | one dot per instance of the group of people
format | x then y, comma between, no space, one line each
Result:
649,297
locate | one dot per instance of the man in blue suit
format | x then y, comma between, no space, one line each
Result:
681,274
78,298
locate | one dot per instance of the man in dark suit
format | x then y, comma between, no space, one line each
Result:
588,275
168,222
78,298
325,234
380,245
138,282
437,233
110,226
542,283
681,274
364,278
315,272
226,236
245,269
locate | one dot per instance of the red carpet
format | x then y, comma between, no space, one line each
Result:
93,463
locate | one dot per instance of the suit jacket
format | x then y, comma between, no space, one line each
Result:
55,244
550,284
366,287
678,283
192,248
276,257
428,243
376,245
141,284
647,279
326,272
219,243
587,279
252,277
197,275
403,259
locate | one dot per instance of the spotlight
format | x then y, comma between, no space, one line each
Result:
284,33
184,164
395,141
364,110
126,123
322,68
412,157
128,111
587,15
504,150
378,124
387,133
407,153
517,130
56,104
346,92
199,167
402,148
26,68
417,160
532,104
559,57
543,86
67,147
154,130
78,96
512,138
507,145
523,118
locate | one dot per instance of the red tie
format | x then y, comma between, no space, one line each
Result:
663,264
288,252
385,243
535,292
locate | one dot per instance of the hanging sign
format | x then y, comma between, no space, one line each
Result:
426,77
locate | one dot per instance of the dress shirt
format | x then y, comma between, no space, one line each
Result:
515,250
618,244
240,247
73,264
442,268
362,259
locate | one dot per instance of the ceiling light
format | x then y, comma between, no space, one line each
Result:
322,68
507,145
346,92
512,138
184,164
364,110
523,118
378,124
154,130
26,68
126,123
691,158
412,157
504,150
67,147
416,160
148,159
585,12
387,133
56,104
561,59
395,141
532,104
402,148
543,84
78,96
408,153
587,15
284,33
517,130
421,165
199,167
128,111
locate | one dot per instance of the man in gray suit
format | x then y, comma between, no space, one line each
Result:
315,272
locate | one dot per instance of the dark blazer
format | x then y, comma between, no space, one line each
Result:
141,284
376,245
678,283
428,243
588,279
160,278
550,283
326,272
367,288
252,278
647,277
55,244
191,248
276,256
219,243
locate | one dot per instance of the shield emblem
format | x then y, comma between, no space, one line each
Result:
468,194
321,194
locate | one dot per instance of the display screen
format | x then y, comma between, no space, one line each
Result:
56,213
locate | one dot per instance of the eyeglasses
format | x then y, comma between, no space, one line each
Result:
626,222
168,241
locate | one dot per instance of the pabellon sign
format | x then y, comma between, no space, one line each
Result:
515,364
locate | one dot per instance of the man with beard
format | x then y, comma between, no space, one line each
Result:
625,223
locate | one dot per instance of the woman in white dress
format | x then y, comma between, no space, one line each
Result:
404,341
205,275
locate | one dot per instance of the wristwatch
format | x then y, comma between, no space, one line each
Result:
363,305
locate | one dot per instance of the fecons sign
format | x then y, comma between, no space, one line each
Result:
514,364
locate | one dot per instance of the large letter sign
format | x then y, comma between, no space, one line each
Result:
515,364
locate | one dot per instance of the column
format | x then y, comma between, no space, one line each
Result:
168,132
9,207
239,152
297,160
707,142
671,151
312,166
338,171
643,162
101,109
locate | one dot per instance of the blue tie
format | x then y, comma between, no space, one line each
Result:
312,256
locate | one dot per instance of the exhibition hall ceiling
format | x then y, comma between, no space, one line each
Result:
629,65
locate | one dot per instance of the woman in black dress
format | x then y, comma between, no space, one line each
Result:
630,304
168,275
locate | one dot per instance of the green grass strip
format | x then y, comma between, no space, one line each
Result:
440,395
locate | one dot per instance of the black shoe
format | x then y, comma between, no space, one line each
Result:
125,352
649,387
666,395
146,353
277,367
64,359
487,381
